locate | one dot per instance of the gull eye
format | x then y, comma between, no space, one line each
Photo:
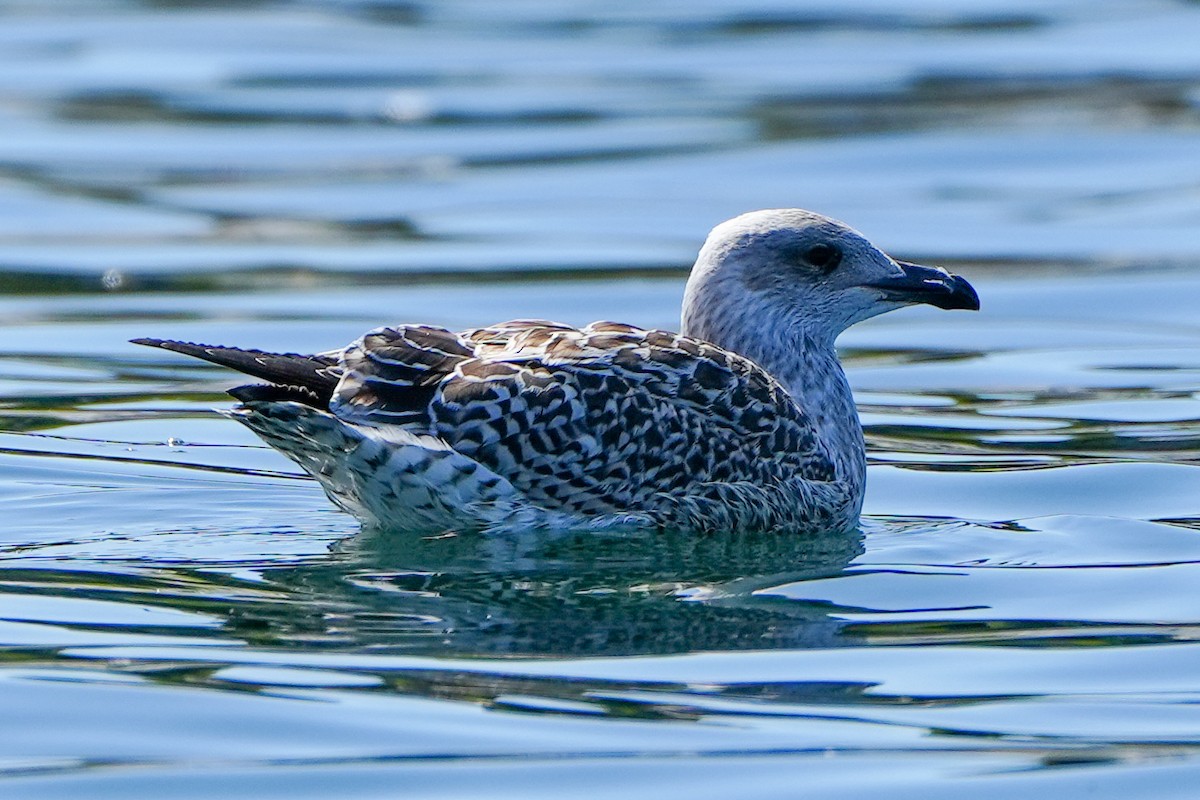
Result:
824,257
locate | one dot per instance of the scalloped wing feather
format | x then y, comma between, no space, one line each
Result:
595,420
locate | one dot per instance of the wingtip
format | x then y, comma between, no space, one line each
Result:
165,344
176,346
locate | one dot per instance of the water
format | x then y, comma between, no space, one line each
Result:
183,616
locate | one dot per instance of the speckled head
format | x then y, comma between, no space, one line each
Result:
768,272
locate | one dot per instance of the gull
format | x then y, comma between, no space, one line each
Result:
742,421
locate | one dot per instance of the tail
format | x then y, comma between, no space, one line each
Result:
393,479
310,380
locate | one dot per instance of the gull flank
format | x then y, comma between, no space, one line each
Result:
744,421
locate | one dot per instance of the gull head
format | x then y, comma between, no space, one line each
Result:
788,271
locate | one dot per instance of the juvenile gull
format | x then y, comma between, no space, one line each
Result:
742,421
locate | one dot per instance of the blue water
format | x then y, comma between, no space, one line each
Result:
183,615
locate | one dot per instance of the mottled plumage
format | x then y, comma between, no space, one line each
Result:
532,422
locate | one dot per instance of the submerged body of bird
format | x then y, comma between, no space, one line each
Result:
743,421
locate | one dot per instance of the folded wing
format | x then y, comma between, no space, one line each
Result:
595,420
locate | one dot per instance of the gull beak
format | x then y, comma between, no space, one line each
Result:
932,285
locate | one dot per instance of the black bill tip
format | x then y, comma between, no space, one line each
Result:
963,295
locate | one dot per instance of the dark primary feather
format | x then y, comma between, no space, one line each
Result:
275,393
307,379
